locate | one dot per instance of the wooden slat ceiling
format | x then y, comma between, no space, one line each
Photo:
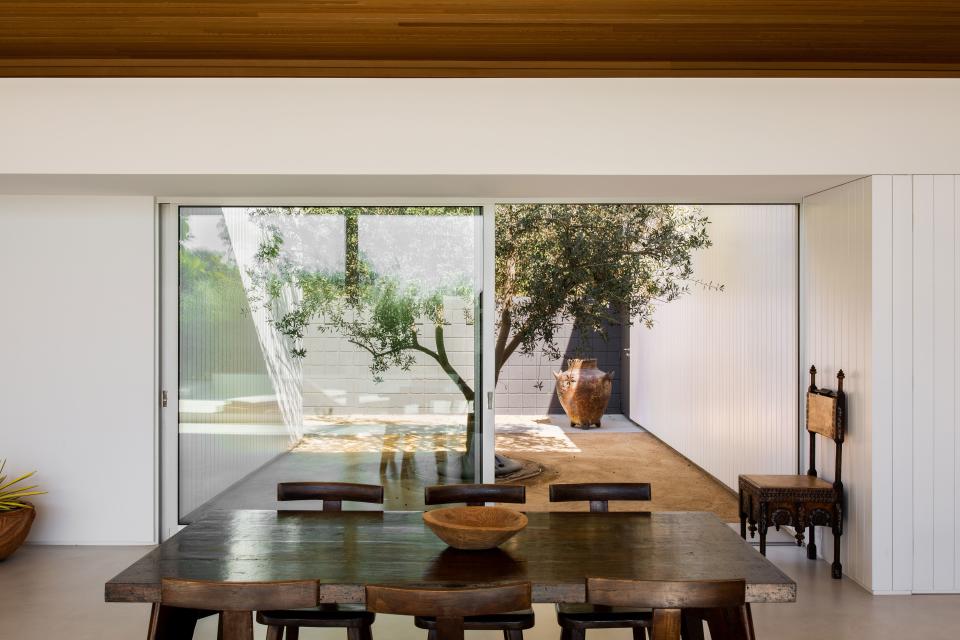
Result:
457,38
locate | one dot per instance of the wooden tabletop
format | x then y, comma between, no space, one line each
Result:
347,550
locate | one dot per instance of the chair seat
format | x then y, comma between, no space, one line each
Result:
588,616
514,621
799,483
339,616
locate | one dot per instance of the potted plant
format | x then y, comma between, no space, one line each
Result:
16,514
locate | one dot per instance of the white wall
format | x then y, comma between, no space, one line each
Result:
654,126
77,392
716,377
836,333
917,421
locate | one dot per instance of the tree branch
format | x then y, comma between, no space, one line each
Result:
441,357
506,321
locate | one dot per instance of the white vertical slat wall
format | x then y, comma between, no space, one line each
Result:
900,500
837,333
716,376
920,512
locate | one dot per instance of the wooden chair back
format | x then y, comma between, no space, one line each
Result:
669,598
332,494
826,416
236,601
600,493
448,606
474,495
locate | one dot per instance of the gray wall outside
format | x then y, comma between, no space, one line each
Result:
527,386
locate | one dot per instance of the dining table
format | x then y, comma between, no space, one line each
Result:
348,550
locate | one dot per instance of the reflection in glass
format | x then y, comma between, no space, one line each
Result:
333,343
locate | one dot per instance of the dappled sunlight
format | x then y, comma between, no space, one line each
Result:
392,433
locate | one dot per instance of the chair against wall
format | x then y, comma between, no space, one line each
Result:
354,619
721,602
802,501
449,607
514,623
575,619
235,602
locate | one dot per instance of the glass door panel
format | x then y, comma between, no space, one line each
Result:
326,343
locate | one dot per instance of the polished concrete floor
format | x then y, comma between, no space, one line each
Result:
407,453
47,593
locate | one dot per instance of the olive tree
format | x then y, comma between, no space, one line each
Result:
591,263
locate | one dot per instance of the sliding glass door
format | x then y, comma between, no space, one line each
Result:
334,343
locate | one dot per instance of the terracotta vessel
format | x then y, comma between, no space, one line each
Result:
14,528
584,392
474,528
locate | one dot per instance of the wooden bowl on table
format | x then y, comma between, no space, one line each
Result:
473,528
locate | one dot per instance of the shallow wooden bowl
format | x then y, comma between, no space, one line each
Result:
475,528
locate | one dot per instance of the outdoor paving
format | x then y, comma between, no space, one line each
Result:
406,453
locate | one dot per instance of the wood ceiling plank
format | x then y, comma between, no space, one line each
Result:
482,37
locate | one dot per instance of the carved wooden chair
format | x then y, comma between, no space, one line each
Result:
513,623
575,619
235,602
449,607
802,501
354,619
721,602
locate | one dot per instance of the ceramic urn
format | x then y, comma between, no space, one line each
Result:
584,392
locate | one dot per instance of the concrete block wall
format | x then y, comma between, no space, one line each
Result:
337,378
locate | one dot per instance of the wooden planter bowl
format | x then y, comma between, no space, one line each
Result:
14,528
474,528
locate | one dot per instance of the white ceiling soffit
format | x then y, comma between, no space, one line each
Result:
674,188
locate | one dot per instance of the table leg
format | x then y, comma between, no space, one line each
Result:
730,624
173,623
691,625
236,625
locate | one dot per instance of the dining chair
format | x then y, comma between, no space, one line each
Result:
722,603
474,494
449,607
353,618
513,623
599,494
575,619
234,601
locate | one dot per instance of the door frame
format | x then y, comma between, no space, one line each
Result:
168,375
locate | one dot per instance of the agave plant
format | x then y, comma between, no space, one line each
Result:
12,495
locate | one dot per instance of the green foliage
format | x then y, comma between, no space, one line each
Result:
213,302
589,263
374,311
11,495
